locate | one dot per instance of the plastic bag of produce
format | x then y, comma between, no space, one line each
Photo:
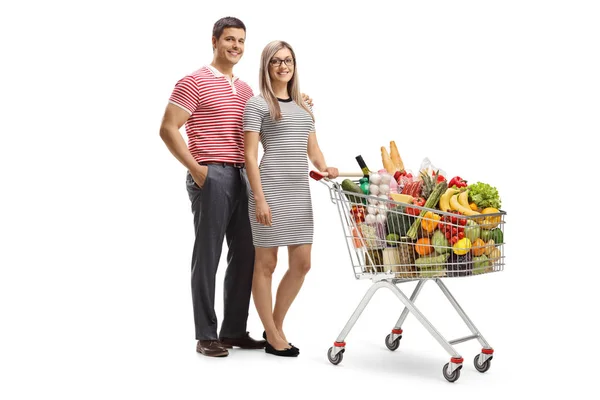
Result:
430,169
373,234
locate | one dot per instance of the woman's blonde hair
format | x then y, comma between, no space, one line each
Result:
266,89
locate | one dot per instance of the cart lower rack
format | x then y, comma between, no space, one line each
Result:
407,243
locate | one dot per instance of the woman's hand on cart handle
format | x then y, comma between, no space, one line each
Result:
331,172
263,213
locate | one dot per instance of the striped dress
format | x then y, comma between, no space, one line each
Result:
283,173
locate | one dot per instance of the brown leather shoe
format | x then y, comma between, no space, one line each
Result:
244,342
211,348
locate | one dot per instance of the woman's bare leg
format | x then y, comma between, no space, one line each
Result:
299,265
265,262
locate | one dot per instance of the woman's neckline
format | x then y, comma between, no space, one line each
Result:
285,100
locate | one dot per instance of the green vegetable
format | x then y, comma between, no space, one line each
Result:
484,195
392,239
472,230
349,186
495,234
432,261
398,221
441,245
432,266
431,202
481,264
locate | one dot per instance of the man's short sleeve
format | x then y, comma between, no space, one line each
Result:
253,115
186,94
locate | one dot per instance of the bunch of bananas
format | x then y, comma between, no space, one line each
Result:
456,200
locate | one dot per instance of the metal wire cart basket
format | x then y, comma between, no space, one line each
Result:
401,246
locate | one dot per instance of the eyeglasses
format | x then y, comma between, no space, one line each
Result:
276,62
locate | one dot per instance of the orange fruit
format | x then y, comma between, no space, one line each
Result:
423,246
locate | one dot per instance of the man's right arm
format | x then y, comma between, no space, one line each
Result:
172,121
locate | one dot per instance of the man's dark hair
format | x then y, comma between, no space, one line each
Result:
227,22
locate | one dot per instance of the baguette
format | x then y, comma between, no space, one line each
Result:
395,156
387,161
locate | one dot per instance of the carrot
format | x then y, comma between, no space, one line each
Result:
356,239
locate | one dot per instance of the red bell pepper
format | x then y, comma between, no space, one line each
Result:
458,182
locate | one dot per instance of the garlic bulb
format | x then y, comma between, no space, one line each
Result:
385,179
375,178
370,219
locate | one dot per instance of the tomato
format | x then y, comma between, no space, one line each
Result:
413,211
418,201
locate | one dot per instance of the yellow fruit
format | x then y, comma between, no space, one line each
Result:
491,222
495,255
489,247
463,199
455,205
445,199
462,247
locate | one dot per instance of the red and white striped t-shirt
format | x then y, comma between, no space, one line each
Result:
216,107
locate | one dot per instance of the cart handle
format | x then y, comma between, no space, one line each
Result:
317,176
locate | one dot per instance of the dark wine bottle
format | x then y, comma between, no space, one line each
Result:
363,166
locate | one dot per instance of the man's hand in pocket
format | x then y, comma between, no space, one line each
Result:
199,175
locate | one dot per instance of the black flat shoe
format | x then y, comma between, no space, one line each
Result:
293,347
293,352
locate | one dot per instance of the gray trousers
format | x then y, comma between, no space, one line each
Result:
220,211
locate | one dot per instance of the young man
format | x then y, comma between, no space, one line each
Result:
210,102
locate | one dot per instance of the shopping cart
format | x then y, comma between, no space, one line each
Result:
390,259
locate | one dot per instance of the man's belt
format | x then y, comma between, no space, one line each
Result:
225,164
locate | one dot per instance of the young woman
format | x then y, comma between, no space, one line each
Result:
280,207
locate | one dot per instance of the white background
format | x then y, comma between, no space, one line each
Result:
96,229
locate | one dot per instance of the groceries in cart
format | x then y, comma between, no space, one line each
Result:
399,227
422,225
